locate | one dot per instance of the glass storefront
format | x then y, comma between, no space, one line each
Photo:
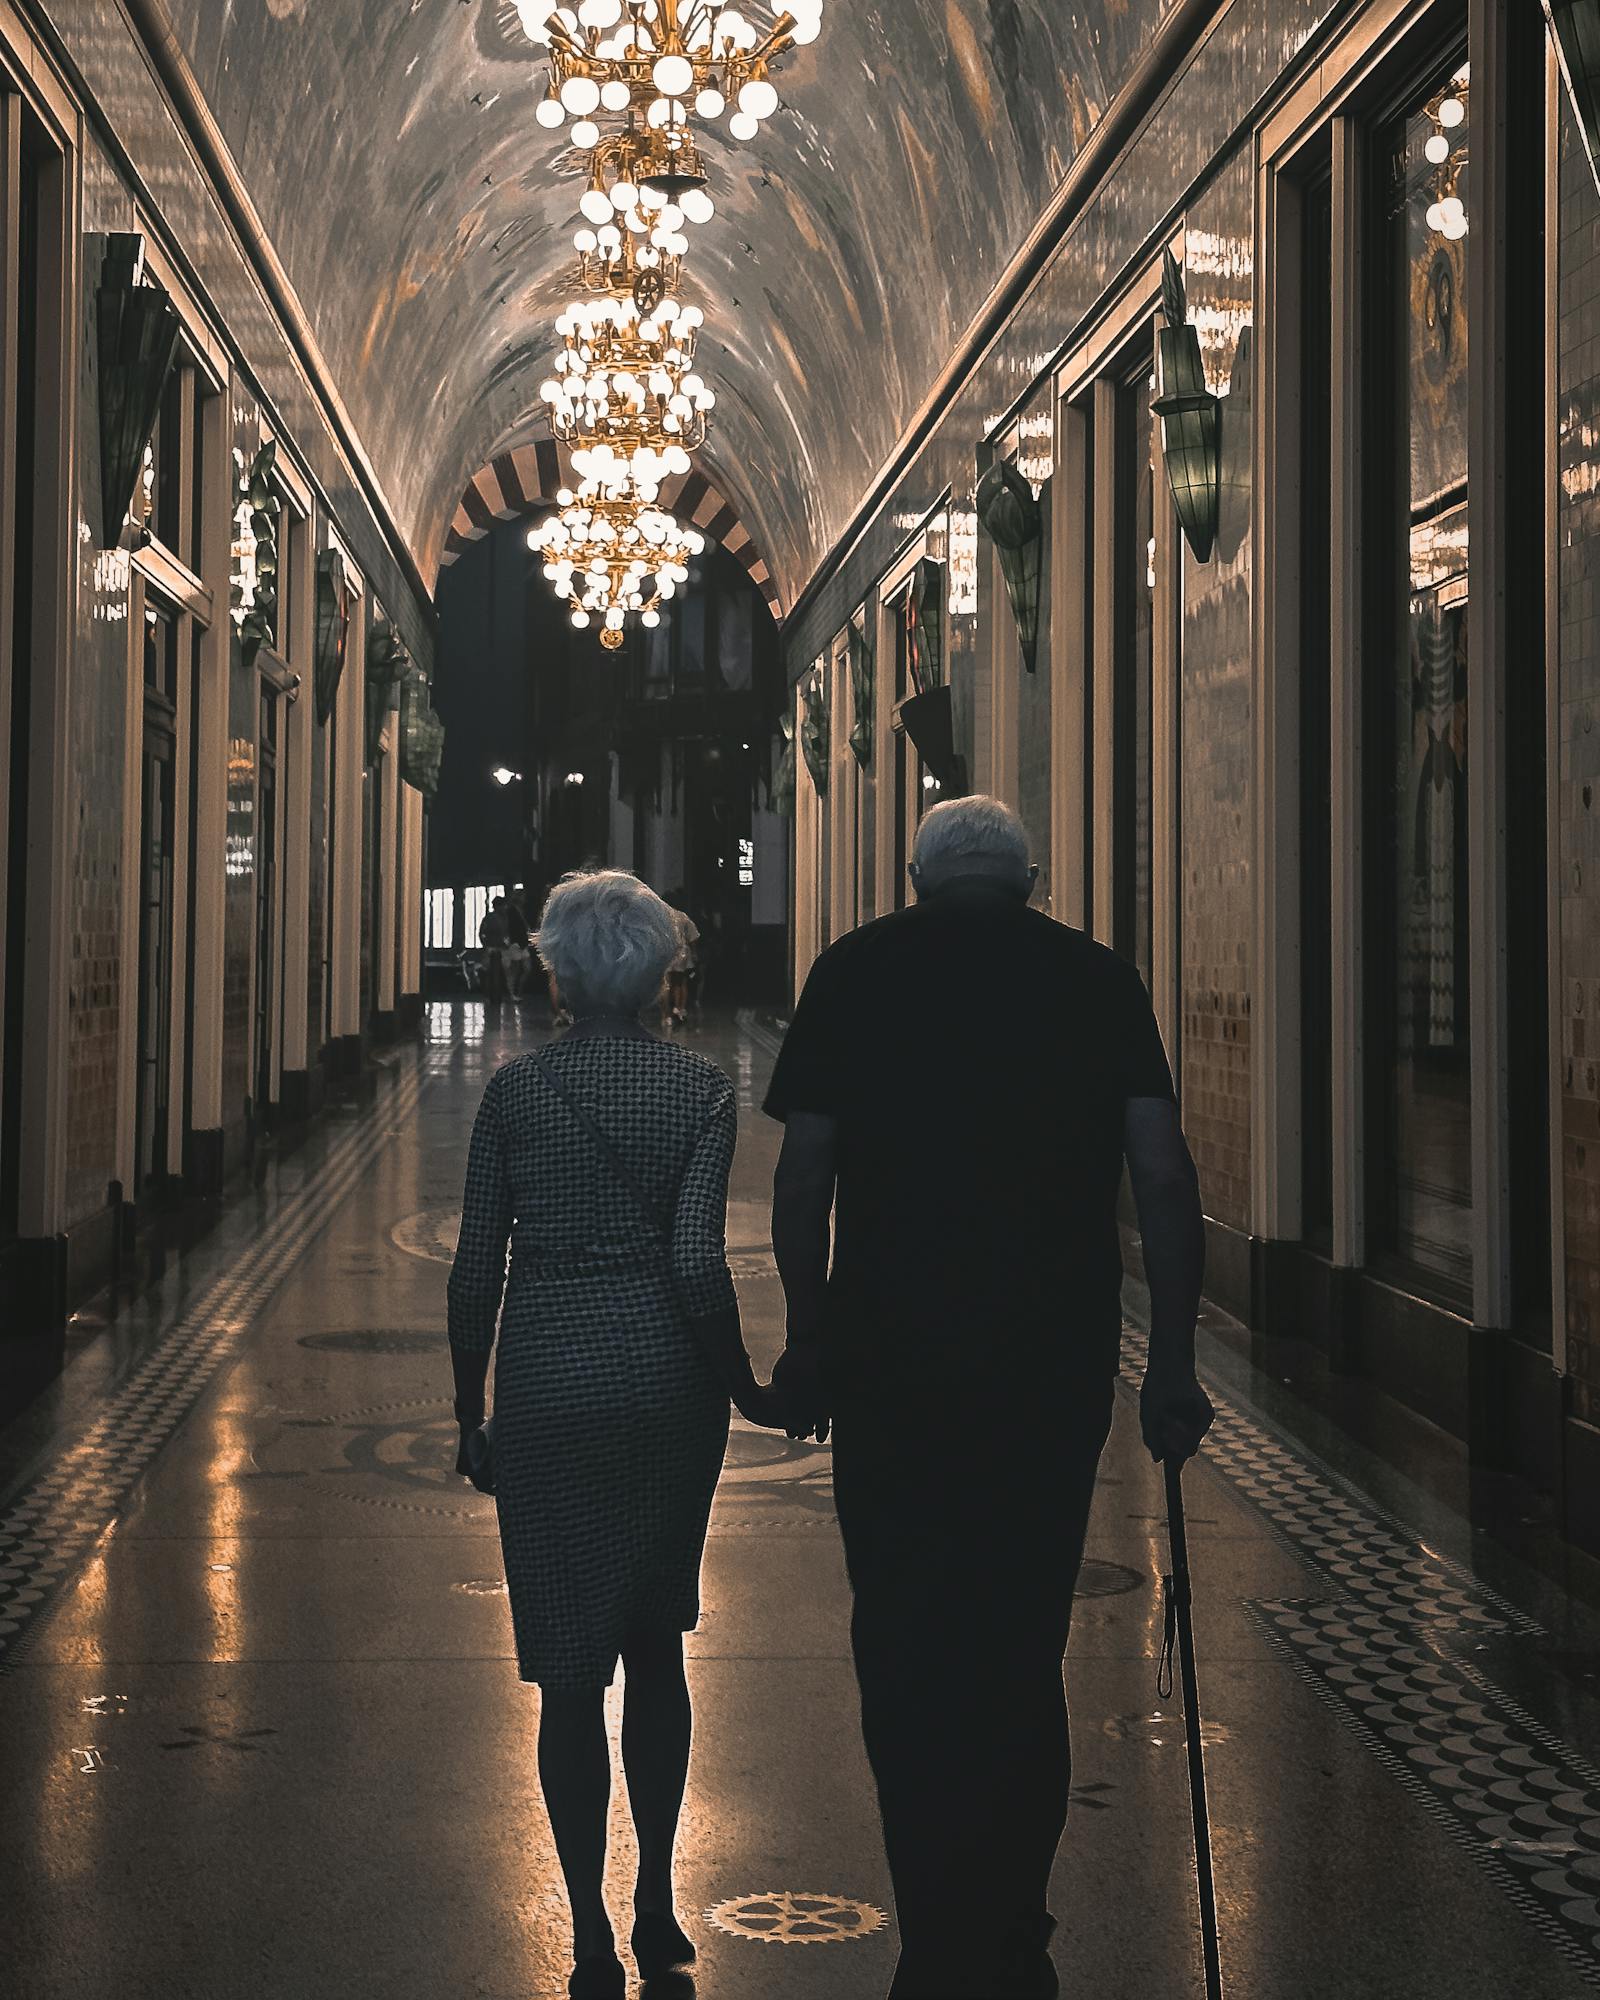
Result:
1417,767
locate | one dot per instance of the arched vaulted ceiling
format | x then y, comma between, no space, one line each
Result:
425,221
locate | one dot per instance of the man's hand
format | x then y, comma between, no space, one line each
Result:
760,1403
1174,1412
801,1392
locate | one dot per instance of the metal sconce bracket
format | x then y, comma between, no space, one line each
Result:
1010,515
387,660
1191,418
136,327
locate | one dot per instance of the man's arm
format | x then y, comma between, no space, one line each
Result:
1175,1412
802,1206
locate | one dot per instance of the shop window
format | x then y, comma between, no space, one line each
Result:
18,440
1420,1029
1316,474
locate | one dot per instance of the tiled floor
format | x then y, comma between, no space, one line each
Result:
262,1734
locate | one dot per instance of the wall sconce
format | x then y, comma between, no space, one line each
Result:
1576,27
502,775
333,628
1010,515
574,777
814,733
136,327
1191,418
863,688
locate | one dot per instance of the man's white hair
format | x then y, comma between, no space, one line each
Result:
608,939
977,829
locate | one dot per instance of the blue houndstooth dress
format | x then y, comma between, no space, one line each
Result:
610,1425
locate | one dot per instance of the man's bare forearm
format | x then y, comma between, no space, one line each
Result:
801,1210
1172,1224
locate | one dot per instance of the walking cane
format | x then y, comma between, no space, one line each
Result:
1179,1625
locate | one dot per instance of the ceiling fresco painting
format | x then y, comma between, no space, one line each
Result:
426,217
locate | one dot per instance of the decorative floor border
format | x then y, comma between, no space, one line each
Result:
55,1520
1380,1653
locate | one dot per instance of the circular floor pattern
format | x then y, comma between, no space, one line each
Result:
377,1340
430,1233
793,1916
1106,1579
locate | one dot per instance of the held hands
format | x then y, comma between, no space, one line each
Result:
1174,1412
802,1393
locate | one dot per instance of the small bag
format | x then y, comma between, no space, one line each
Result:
480,1456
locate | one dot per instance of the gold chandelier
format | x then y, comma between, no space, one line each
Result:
625,387
608,554
660,57
633,237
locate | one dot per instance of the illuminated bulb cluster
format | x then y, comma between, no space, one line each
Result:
628,379
662,57
1447,214
609,554
624,397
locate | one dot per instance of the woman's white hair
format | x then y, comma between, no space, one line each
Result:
977,830
607,938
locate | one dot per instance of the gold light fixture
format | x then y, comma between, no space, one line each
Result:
625,391
664,58
612,554
633,237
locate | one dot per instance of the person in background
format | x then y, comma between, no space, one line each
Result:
518,952
494,935
602,1163
684,963
975,1294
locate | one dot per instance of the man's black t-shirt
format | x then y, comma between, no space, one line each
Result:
977,1058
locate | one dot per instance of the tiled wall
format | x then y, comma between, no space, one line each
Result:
1579,769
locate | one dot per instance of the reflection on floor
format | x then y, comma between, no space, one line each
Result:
262,1734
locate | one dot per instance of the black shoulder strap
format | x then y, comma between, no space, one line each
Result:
607,1151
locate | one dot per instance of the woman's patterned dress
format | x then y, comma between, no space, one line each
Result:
610,1426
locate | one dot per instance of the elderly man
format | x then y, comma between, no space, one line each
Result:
965,1347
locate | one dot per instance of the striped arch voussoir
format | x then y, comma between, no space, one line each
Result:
526,480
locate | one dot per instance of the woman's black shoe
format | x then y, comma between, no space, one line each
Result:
598,1978
659,1945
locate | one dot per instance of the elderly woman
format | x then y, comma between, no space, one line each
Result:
603,1161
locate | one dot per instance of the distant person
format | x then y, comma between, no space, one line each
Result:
518,950
684,963
965,1347
602,1162
494,934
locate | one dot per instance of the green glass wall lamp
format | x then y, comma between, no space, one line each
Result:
781,792
1576,27
421,732
1010,515
927,716
863,688
333,628
136,329
1191,417
814,733
387,660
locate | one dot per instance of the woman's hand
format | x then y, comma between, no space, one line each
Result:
797,1380
759,1403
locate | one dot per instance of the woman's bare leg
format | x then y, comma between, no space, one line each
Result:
575,1774
656,1725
